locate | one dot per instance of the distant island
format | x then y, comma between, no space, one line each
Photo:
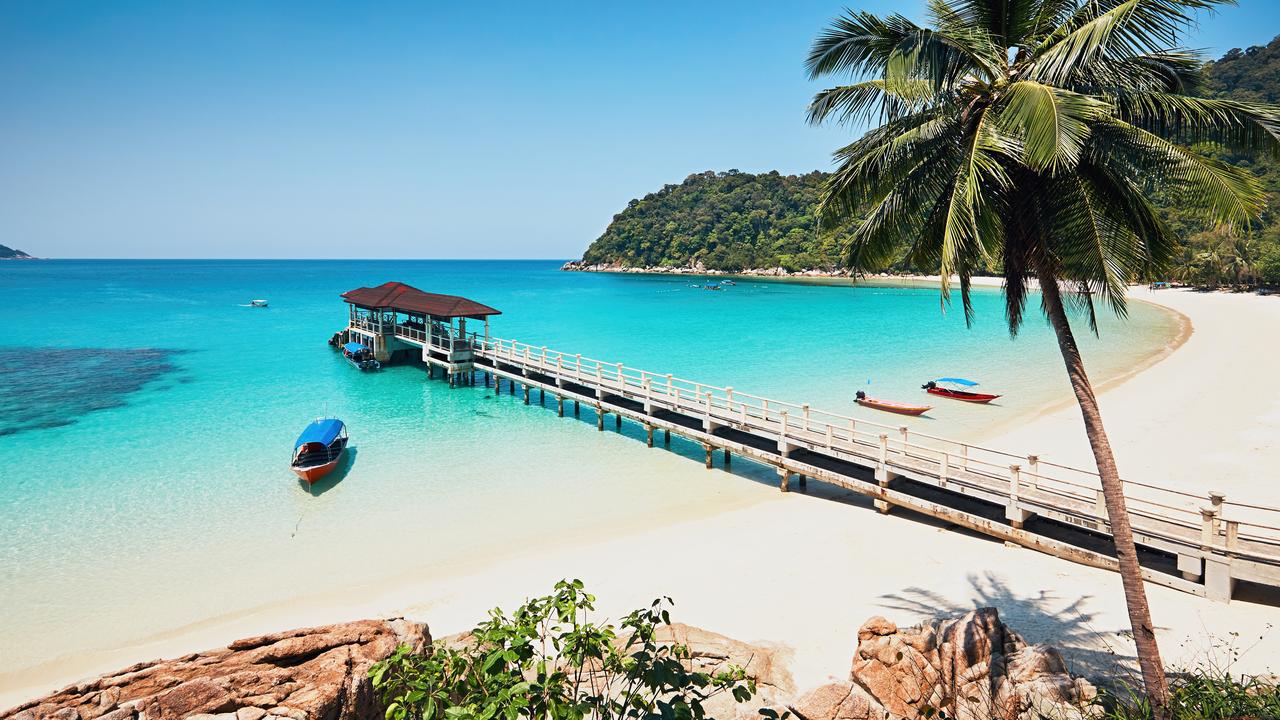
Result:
8,253
765,224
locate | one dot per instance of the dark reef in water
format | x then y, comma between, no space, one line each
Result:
43,388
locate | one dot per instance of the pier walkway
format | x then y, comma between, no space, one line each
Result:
1203,544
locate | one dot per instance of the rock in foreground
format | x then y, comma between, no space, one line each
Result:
317,673
971,667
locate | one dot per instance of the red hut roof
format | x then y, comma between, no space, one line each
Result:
408,299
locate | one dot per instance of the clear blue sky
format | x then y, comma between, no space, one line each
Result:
415,129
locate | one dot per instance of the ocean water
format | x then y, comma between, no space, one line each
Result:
147,418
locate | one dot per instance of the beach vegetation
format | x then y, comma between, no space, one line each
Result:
1033,135
551,661
1203,695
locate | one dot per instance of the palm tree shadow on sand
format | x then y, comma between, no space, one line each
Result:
1040,618
328,482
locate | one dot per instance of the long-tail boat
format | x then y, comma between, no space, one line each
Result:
319,448
957,389
891,406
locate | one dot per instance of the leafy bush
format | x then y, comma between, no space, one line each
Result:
548,661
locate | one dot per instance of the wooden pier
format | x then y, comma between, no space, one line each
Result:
1203,544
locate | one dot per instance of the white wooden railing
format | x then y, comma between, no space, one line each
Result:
1158,512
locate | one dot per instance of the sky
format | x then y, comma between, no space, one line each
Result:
292,129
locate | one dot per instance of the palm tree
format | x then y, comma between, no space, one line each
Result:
1028,134
1242,260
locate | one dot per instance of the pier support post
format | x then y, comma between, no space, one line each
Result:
617,421
453,382
666,437
784,480
542,396
1218,583
526,394
576,409
1191,567
600,418
648,435
560,406
728,457
804,482
709,450
431,371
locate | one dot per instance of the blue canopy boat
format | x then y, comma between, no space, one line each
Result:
319,448
360,356
957,389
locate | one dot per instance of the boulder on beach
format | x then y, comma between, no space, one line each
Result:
307,674
970,667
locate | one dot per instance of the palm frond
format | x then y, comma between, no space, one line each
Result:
868,100
1223,193
1109,30
894,48
1184,119
1054,124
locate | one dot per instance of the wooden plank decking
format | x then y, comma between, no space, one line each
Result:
1199,544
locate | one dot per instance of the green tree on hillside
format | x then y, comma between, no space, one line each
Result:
1028,134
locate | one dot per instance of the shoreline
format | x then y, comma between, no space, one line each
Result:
454,596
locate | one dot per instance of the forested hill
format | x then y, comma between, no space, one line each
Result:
735,220
725,220
1207,256
1251,75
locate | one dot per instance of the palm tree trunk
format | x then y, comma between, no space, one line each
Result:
1135,596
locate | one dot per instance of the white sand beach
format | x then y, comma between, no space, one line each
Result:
805,570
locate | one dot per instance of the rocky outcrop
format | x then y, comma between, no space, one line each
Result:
317,673
971,667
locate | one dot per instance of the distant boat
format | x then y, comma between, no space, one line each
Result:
257,303
360,356
890,406
712,286
728,282
318,449
957,389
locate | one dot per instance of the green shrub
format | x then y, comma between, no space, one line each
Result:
1205,696
548,661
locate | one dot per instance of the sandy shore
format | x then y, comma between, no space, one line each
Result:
806,570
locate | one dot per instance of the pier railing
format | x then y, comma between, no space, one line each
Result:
1166,517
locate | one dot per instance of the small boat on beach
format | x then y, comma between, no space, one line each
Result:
891,406
318,449
360,356
957,389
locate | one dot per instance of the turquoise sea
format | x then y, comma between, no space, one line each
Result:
147,418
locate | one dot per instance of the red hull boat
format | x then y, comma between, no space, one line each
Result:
319,449
890,406
961,395
933,388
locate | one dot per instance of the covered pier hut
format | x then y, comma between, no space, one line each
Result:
395,319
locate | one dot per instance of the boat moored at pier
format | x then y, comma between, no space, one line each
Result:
360,356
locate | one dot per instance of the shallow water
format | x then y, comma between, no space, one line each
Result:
146,421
